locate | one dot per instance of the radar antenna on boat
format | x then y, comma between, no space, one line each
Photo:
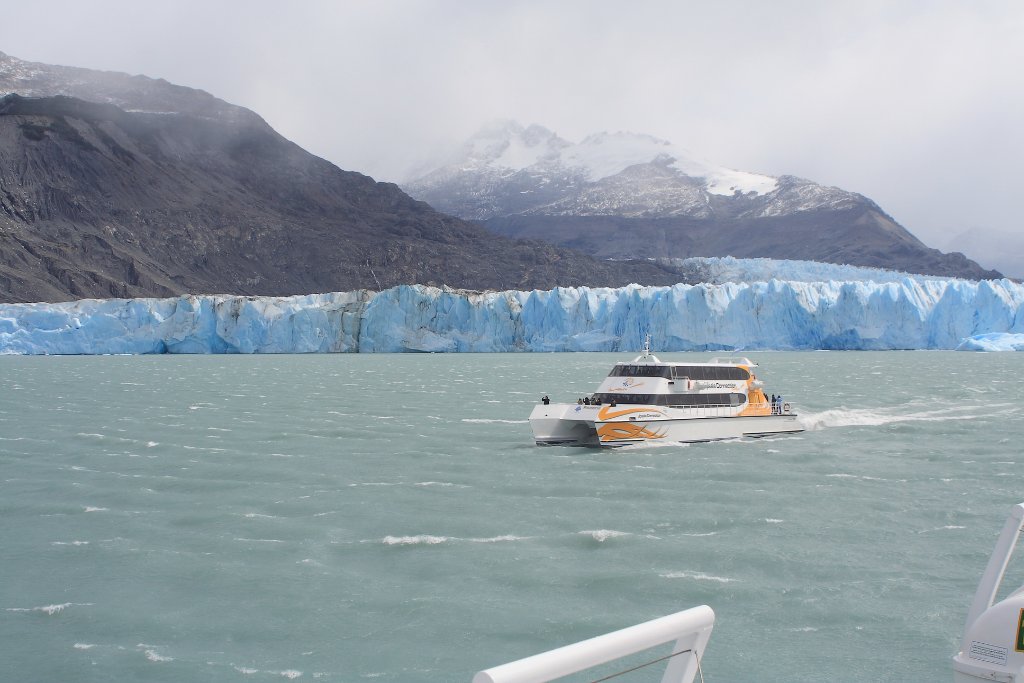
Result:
646,356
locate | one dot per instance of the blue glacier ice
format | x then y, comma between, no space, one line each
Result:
909,313
996,341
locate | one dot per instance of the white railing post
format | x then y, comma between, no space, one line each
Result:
689,629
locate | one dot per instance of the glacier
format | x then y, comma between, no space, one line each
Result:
907,313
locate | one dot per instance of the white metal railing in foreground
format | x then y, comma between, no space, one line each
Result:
690,629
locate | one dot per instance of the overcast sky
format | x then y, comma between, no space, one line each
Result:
918,105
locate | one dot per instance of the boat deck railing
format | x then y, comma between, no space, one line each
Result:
689,630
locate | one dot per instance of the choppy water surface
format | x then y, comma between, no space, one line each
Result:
353,517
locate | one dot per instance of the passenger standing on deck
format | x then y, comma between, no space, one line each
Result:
545,400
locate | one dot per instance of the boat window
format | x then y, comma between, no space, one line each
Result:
690,400
677,400
694,372
641,371
710,372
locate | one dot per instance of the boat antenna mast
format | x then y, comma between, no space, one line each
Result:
646,356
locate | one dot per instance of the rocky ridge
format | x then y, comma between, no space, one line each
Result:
124,186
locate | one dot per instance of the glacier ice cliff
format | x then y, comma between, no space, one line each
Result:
997,341
904,314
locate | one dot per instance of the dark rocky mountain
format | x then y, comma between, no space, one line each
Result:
633,196
151,189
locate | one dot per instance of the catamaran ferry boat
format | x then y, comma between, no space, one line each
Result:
648,401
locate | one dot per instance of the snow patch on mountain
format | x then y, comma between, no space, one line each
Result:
507,169
507,146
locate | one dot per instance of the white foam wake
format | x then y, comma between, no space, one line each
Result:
697,576
422,539
862,417
602,535
154,656
50,609
427,539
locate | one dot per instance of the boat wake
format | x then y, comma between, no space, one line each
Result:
854,417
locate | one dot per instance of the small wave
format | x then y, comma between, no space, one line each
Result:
697,576
50,609
154,656
291,673
259,540
254,515
802,629
498,539
423,539
708,533
89,508
602,535
69,543
245,670
861,477
948,527
84,646
152,444
772,520
475,420
440,483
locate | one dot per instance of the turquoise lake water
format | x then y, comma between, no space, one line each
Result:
388,518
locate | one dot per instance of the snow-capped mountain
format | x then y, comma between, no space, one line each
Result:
620,195
508,169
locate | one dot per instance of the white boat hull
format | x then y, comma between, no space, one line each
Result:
576,425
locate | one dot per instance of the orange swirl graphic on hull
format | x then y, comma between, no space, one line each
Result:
616,431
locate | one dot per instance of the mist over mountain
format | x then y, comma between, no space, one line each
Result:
1004,250
624,195
124,186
